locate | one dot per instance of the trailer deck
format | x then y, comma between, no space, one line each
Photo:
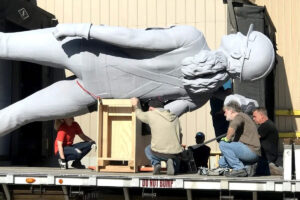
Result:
76,177
48,176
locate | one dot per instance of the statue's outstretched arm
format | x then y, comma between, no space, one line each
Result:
150,39
180,107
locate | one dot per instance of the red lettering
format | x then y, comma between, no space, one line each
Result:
144,183
165,183
154,183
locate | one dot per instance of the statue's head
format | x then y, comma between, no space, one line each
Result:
252,56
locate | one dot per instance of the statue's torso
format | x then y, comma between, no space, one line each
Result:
115,72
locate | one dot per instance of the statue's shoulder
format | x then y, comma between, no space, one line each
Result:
186,28
180,28
189,31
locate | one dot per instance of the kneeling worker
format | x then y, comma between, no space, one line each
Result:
200,154
165,135
269,142
241,146
64,147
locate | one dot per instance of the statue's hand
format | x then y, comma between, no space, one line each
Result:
71,30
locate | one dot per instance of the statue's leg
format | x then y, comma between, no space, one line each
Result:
41,47
60,100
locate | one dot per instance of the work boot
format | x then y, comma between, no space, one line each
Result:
251,169
219,171
77,165
237,173
156,169
170,167
62,164
275,170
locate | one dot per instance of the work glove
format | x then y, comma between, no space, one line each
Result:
224,139
72,30
62,163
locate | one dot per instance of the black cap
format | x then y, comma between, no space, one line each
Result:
155,103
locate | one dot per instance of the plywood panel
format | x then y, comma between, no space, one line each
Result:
133,13
285,17
114,12
190,10
191,127
142,13
95,14
42,4
180,12
171,12
210,31
161,13
104,12
68,11
56,7
151,13
50,7
123,13
86,11
77,11
122,135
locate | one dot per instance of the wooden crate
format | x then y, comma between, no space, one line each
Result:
120,141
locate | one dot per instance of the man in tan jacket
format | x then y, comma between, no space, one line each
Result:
165,135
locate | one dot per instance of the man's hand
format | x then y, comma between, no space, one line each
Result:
62,163
134,101
71,30
224,139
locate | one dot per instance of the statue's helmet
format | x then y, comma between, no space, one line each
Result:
258,56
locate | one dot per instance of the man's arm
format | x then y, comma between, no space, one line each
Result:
230,133
139,113
85,138
60,149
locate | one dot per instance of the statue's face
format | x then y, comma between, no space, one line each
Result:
232,43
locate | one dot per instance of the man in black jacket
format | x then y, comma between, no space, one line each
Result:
268,139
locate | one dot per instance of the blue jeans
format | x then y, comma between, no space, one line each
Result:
77,151
236,155
156,159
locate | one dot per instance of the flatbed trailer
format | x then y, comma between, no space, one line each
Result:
66,179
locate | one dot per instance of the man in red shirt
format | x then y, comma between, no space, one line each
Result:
64,147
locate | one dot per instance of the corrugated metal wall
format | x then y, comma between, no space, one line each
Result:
286,17
207,15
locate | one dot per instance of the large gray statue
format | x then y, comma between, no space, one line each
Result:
172,63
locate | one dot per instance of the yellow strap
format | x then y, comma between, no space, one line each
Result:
289,134
287,112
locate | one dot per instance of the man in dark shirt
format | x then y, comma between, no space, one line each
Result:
201,154
268,139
